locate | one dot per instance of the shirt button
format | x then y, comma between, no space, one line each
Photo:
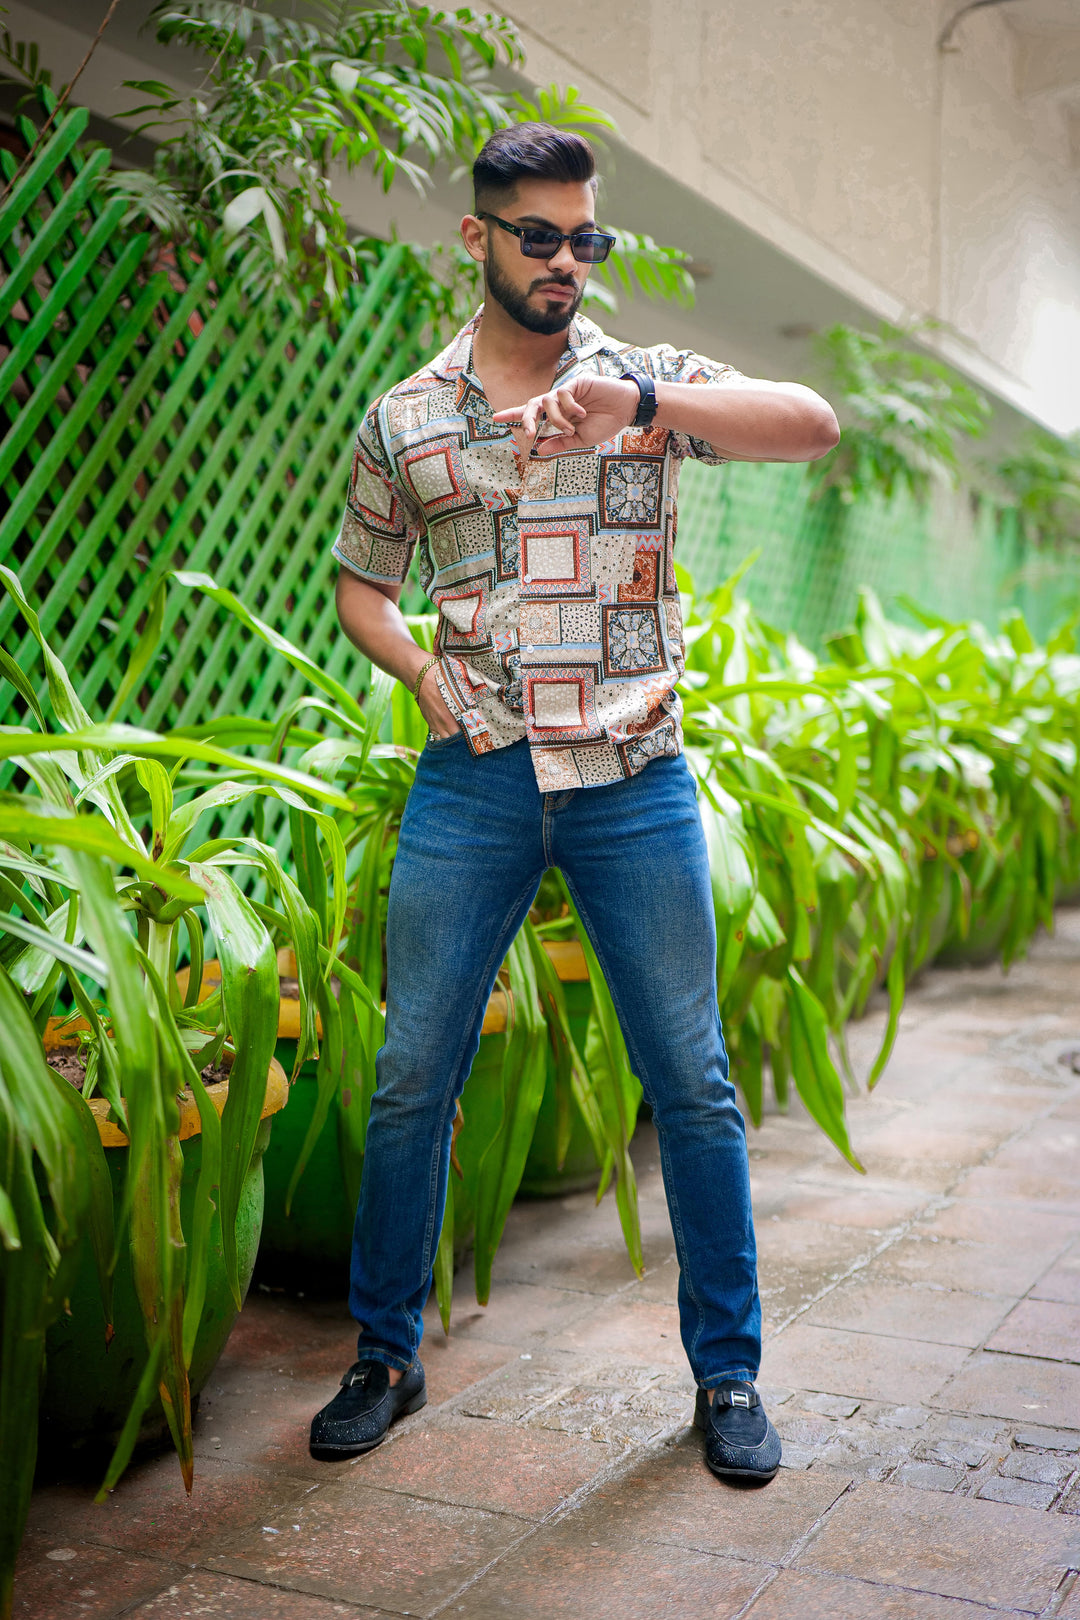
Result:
530,649
528,579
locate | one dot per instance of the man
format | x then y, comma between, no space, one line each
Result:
535,465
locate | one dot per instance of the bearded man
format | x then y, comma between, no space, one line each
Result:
534,463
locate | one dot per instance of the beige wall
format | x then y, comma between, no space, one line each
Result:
823,158
917,181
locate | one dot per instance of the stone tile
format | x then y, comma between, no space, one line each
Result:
520,1389
635,1332
834,1406
953,1453
928,1476
257,1415
660,1286
568,1259
616,1417
452,1365
278,1330
1040,1328
1019,1492
497,1466
1017,1387
977,1220
518,1314
795,1595
1038,1466
1070,1609
913,1177
798,1259
982,1268
860,1364
870,1210
1048,1439
1007,1557
370,1547
918,1136
1050,1147
219,1597
1062,1282
671,1497
59,1577
562,1575
998,1183
902,1310
150,1512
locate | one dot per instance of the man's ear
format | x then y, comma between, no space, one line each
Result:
474,237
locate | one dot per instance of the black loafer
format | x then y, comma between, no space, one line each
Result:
740,1442
361,1412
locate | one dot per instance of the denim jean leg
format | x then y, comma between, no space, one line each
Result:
468,863
635,860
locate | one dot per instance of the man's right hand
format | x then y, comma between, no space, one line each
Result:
441,723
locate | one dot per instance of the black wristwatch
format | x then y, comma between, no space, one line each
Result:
647,404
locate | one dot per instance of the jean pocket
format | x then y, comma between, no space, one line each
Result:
434,744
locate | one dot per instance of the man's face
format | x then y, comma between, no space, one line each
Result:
542,295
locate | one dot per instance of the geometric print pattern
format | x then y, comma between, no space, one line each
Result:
553,578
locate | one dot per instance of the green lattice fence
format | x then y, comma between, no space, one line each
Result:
152,421
954,558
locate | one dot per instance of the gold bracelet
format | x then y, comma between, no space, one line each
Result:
420,677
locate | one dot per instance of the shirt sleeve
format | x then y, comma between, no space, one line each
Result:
684,366
381,524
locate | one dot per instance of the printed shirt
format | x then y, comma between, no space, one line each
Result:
553,577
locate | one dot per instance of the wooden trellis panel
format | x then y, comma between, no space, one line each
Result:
151,421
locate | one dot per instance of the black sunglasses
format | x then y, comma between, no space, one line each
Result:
588,247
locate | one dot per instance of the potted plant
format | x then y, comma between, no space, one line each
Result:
99,882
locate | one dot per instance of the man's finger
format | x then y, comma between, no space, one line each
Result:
572,407
556,415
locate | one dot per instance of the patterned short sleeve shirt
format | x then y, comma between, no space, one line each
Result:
553,577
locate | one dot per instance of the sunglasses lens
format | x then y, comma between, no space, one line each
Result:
540,244
591,247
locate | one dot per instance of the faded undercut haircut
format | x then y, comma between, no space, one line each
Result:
530,152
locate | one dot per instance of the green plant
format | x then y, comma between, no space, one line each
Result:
902,413
376,777
861,810
1043,479
96,847
248,162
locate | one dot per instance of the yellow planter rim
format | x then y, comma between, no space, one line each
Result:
277,1090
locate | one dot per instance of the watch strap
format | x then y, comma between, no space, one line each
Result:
648,404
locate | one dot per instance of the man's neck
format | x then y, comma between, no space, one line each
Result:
501,346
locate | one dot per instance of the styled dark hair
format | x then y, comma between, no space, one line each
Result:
531,152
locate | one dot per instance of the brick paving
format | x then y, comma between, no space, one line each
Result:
922,1364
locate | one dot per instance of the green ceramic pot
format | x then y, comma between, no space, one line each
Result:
89,1385
309,1247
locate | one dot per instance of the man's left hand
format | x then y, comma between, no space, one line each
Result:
587,410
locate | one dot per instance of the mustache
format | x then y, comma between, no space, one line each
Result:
553,281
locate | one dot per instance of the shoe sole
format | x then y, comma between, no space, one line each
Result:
762,1475
337,1453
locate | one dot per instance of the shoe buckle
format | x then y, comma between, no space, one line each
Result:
738,1397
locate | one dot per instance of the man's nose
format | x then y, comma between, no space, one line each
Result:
563,260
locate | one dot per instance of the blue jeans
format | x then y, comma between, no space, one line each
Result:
476,837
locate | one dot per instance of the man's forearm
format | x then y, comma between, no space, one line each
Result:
376,626
753,421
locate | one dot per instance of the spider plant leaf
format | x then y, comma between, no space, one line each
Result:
249,991
444,1260
41,823
139,660
524,1074
816,1079
318,677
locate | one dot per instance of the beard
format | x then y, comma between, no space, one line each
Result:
516,303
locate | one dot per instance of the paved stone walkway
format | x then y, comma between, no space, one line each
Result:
922,1364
